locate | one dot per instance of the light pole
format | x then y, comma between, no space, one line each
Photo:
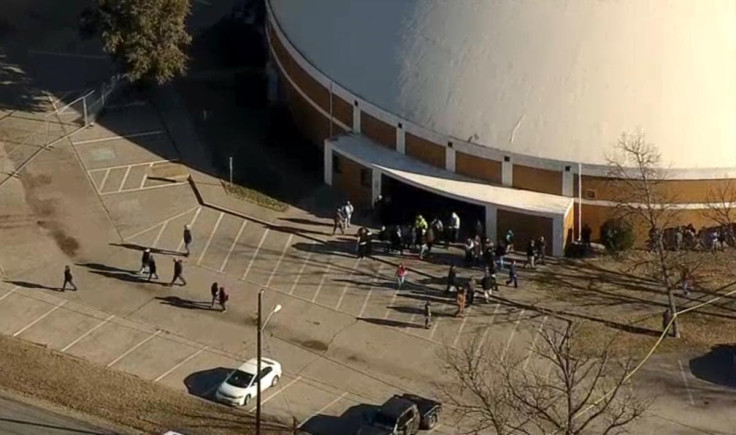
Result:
261,325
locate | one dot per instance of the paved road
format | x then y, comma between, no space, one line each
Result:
20,418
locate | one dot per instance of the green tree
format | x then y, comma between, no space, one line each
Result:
147,38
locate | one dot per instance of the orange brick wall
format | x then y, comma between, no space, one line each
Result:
537,180
525,227
478,167
424,150
342,110
378,130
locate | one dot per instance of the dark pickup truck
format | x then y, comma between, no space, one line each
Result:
405,415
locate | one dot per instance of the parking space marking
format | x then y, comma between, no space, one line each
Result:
301,269
436,323
255,254
160,186
391,304
235,241
281,258
160,233
189,358
511,336
102,183
281,390
126,136
191,225
132,236
324,276
459,331
370,290
687,386
324,408
96,327
125,178
209,239
534,342
143,181
488,328
13,290
131,165
41,317
347,283
127,352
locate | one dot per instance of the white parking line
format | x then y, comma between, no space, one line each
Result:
281,257
511,336
125,178
459,331
324,408
191,225
189,358
235,241
324,276
56,307
160,233
534,342
488,328
435,324
13,290
132,165
132,236
102,183
281,390
103,139
255,254
391,304
301,269
687,386
209,239
99,325
143,181
136,189
127,352
347,283
370,291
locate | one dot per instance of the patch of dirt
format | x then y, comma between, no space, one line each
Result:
69,245
114,396
314,345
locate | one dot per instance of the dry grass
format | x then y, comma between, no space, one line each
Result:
255,197
113,396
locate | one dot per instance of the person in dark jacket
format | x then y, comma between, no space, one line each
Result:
223,298
470,291
513,277
214,291
530,254
541,249
68,279
178,272
187,239
427,314
145,259
152,268
451,279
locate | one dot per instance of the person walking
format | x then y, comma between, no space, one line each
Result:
454,227
68,279
214,291
513,277
429,238
339,221
187,239
400,276
487,284
541,250
427,314
152,268
460,300
348,210
363,244
145,259
223,297
687,280
509,241
530,254
451,279
178,272
469,252
470,291
500,254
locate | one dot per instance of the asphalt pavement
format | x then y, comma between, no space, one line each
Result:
21,418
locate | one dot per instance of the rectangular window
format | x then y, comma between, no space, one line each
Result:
336,164
590,194
365,177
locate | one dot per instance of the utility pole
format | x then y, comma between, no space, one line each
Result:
258,366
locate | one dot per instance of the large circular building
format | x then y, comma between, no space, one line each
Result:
511,106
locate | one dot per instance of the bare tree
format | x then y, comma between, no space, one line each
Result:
640,196
563,392
722,209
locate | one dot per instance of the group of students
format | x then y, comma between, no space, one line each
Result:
148,264
342,218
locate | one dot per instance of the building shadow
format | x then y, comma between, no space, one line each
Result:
718,366
178,302
204,383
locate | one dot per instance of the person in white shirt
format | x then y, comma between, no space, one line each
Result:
454,227
348,209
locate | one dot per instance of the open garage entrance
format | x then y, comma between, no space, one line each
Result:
406,202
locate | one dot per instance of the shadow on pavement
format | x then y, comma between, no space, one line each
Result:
136,247
389,322
349,422
42,426
176,301
25,284
717,366
203,384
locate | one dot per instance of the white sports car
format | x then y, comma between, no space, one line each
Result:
240,386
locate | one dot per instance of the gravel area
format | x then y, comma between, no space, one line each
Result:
125,400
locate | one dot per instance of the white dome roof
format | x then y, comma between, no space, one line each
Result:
556,79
